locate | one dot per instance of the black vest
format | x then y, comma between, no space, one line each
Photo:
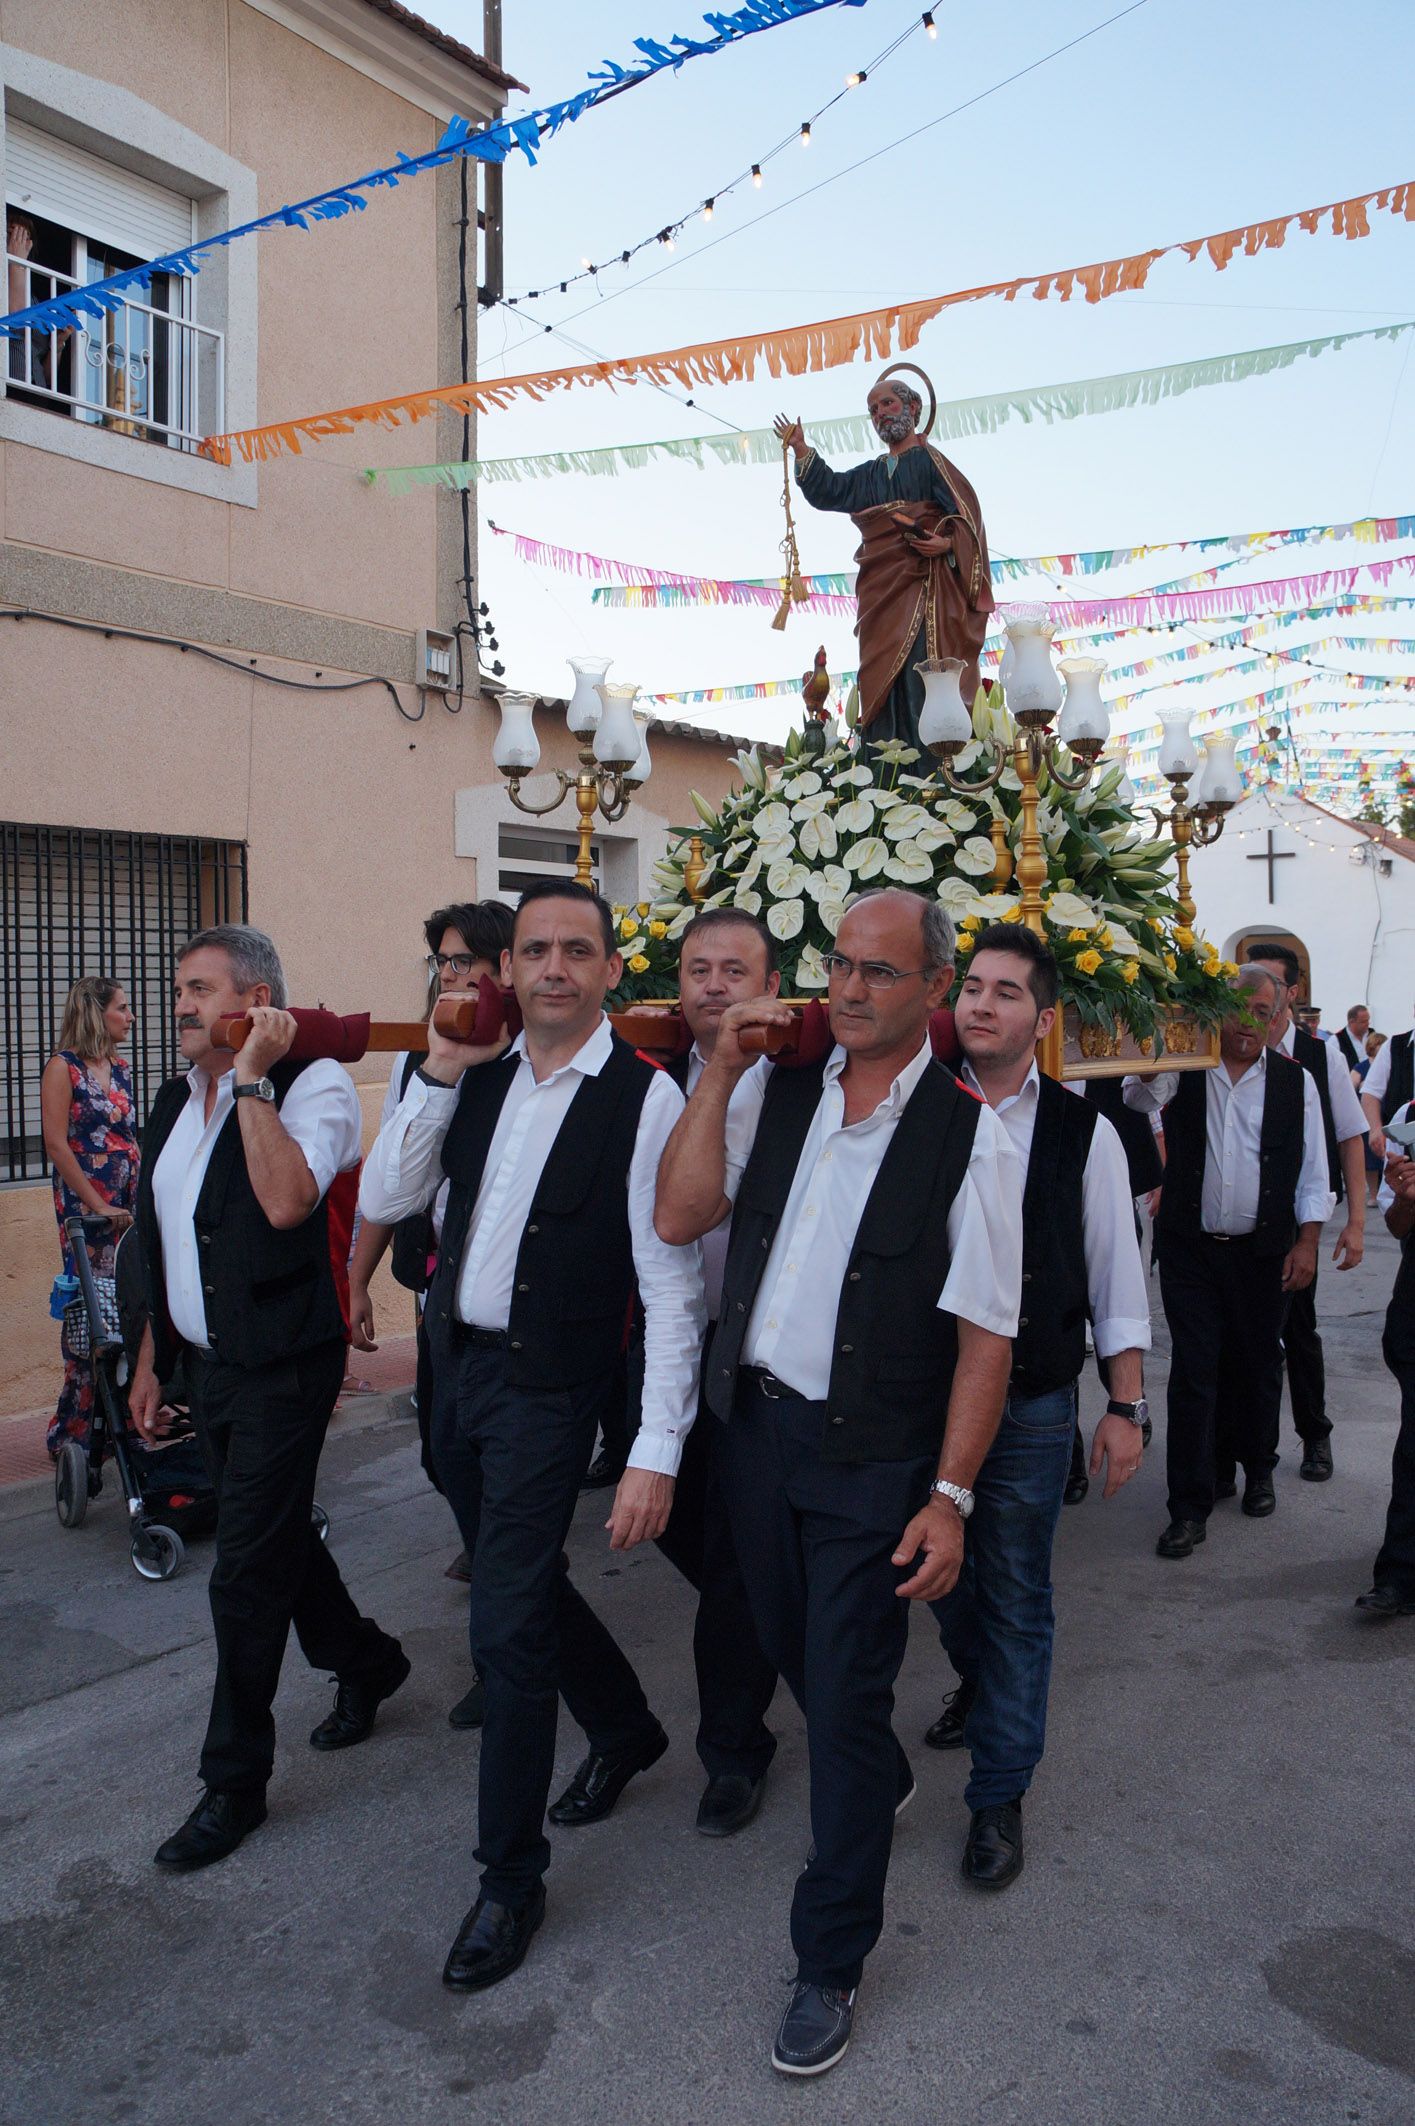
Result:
413,1238
269,1294
1137,1139
1401,1088
1348,1048
574,1278
893,1348
1398,1342
1049,1348
1312,1055
1279,1155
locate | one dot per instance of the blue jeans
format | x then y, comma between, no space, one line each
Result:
997,1625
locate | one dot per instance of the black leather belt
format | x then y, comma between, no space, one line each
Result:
767,1384
475,1339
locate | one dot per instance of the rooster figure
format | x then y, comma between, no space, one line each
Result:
815,692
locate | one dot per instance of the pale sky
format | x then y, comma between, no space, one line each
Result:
1182,118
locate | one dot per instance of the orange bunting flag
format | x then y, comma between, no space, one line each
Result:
802,348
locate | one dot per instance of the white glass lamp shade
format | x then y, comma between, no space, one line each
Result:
516,750
639,774
1125,791
582,710
944,723
1178,753
616,738
1221,783
1085,720
1032,688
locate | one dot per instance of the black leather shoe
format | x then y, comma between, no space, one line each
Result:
356,1706
471,1710
729,1803
215,1828
1316,1461
992,1857
1076,1489
1386,1601
1259,1498
947,1731
815,2030
1180,1539
1225,1488
460,1568
490,1942
599,1781
604,1470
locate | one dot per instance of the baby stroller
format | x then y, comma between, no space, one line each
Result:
168,1493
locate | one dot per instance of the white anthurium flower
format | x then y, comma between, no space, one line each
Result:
780,845
808,806
1122,943
977,856
934,836
626,946
786,880
804,785
832,914
909,864
866,857
904,822
809,972
681,921
830,883
885,799
957,815
771,820
751,868
966,755
856,816
734,853
1067,911
818,837
750,903
956,894
1009,780
860,778
896,753
785,918
715,900
990,907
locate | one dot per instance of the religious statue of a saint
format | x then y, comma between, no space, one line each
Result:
923,587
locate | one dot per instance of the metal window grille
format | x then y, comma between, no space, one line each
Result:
80,900
527,853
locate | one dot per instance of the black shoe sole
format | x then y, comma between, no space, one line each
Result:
1262,1511
480,1983
1315,1476
998,1882
818,2067
1175,1555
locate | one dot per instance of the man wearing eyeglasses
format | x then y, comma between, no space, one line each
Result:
870,1293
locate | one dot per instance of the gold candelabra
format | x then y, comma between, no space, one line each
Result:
597,789
1188,826
612,749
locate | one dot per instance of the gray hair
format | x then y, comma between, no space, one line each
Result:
940,944
903,392
251,955
1251,977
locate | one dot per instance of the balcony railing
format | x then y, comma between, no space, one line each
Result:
138,371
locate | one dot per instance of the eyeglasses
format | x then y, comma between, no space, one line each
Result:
459,962
875,974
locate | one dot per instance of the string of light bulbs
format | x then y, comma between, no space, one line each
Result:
704,209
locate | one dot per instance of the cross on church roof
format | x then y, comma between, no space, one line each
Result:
1271,856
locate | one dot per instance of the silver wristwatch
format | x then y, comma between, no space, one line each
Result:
258,1089
957,1495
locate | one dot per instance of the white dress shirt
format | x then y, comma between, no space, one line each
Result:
745,1108
320,1111
1115,1275
390,1109
1385,1195
1377,1079
404,1172
792,1329
1234,1114
1345,1107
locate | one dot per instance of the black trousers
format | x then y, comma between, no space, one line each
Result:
1395,1563
511,1460
1224,1305
815,1539
261,1430
736,1682
1306,1366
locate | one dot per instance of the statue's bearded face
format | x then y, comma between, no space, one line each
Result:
893,413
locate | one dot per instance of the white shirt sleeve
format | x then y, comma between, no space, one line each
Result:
1315,1198
1148,1095
671,1290
391,1094
321,1113
1377,1083
1115,1274
985,1234
1345,1107
403,1171
743,1115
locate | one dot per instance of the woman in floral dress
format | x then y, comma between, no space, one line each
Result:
90,1134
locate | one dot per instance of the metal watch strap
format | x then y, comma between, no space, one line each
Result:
957,1495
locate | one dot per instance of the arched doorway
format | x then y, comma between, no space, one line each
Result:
1269,934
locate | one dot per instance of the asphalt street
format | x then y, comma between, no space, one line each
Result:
1215,1922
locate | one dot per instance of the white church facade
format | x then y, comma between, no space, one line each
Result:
1341,894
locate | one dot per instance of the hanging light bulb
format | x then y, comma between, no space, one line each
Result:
665,237
707,210
853,81
757,175
806,134
930,25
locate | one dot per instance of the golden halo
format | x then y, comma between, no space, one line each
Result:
895,369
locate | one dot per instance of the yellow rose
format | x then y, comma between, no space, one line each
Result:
639,964
1211,969
1184,938
1012,914
1087,962
643,907
628,926
1171,963
1130,971
1104,938
658,930
1227,968
965,943
1077,937
1157,924
971,922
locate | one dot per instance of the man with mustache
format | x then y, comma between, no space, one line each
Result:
923,587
